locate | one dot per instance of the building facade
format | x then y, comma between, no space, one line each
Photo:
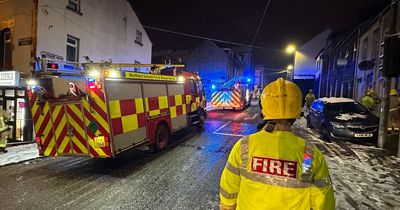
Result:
72,31
216,65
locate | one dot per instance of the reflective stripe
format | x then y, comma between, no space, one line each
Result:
232,168
307,161
228,207
322,182
226,194
244,151
273,180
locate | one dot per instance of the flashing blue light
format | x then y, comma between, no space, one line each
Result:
248,80
213,87
91,79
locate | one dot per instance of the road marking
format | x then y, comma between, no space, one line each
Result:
228,134
223,126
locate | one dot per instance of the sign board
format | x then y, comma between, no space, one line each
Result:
9,78
51,56
25,41
135,75
366,65
341,62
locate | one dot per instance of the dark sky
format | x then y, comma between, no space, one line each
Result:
286,21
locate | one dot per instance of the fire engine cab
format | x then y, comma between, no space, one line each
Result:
99,110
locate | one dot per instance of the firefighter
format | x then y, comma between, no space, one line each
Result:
4,117
273,168
369,101
309,99
394,111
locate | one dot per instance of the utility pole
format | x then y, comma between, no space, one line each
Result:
387,80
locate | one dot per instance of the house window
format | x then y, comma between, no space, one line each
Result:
72,49
365,50
375,48
138,39
137,69
74,5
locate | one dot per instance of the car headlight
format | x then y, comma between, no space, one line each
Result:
338,125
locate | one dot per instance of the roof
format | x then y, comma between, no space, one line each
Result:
336,100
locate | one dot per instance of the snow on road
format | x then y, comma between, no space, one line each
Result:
364,177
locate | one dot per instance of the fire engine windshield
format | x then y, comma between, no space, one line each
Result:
61,89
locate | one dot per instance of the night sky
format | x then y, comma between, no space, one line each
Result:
286,21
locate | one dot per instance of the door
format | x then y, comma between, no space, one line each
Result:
69,129
194,95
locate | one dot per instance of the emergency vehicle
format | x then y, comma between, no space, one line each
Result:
234,94
100,110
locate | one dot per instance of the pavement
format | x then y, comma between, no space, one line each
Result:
20,153
186,175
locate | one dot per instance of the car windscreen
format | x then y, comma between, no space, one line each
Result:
344,108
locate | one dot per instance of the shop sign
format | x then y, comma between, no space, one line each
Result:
51,56
25,41
9,78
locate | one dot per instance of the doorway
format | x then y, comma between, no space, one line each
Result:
5,49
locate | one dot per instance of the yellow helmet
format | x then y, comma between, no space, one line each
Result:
280,100
370,92
393,92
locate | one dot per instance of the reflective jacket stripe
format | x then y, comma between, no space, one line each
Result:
226,194
232,168
244,151
307,162
305,181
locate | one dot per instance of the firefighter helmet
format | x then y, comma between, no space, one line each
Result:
393,92
281,99
370,92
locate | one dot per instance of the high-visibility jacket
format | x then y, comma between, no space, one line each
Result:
276,170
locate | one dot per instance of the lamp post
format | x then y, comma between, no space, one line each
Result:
291,50
289,72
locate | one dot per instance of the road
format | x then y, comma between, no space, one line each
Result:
186,175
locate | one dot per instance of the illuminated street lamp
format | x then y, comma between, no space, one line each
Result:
290,67
291,49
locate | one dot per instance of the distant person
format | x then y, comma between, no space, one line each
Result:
273,168
394,111
310,98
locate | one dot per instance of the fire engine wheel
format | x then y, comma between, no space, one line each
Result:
162,137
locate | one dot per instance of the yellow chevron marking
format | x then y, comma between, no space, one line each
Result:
51,144
97,117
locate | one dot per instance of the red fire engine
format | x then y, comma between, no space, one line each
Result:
101,110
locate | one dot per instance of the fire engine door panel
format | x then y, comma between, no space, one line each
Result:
177,106
69,129
127,113
156,99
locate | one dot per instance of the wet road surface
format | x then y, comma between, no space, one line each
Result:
186,175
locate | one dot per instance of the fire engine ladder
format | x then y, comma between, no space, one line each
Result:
155,68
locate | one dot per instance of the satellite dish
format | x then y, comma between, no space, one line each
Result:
366,65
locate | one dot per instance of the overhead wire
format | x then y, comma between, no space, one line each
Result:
260,22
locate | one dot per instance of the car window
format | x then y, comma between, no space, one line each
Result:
343,108
192,87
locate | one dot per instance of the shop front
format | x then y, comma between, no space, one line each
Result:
14,100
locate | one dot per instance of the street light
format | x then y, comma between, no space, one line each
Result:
291,49
290,67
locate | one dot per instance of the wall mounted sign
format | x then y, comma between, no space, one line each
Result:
51,56
25,41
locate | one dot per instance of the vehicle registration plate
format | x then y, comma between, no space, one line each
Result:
100,141
363,135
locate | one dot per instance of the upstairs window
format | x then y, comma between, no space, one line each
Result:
138,39
74,5
72,49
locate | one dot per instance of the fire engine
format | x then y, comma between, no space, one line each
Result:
101,110
234,94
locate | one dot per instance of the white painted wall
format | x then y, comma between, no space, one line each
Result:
20,13
103,32
305,63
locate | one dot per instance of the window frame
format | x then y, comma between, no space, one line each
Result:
139,38
78,6
76,46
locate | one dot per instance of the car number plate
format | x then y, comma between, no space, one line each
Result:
363,135
100,141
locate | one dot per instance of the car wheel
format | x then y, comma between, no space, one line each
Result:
162,137
309,122
325,133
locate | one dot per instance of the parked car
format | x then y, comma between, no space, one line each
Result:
342,119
